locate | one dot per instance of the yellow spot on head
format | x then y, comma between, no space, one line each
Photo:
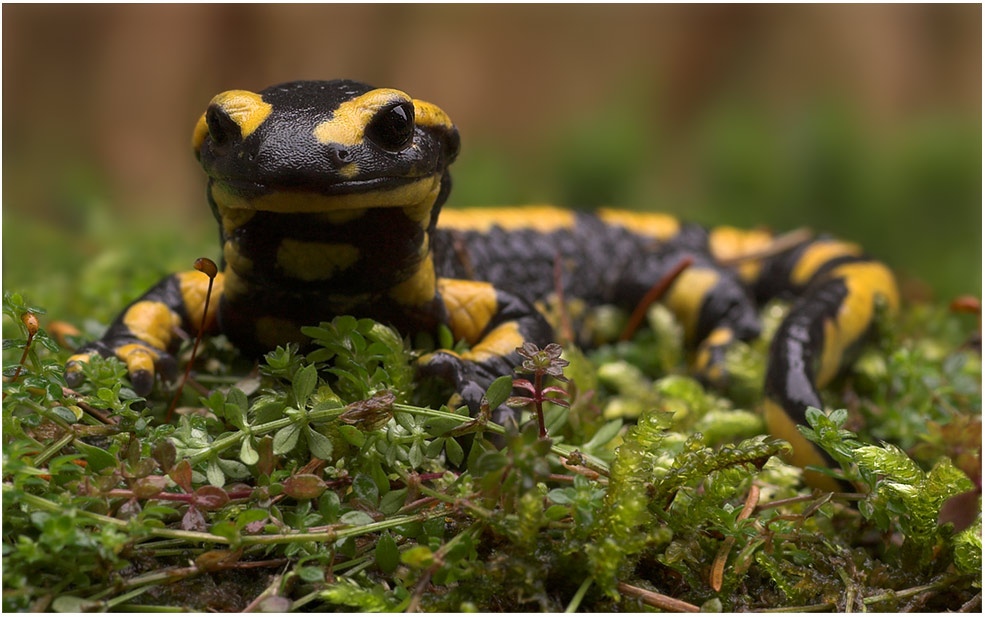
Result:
274,331
428,114
543,219
420,288
818,254
348,123
349,171
470,306
200,133
653,224
687,295
246,108
194,285
152,322
314,261
503,339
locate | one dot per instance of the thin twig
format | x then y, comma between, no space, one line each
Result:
96,413
658,600
970,605
779,244
790,500
655,293
566,331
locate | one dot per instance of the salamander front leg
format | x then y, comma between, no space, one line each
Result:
144,334
495,323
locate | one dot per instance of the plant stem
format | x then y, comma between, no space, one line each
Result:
281,538
130,594
558,449
579,595
304,600
801,498
221,445
54,448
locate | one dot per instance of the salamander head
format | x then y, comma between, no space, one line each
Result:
323,146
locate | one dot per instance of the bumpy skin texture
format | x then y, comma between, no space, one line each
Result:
327,195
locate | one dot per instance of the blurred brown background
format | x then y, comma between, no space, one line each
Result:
783,115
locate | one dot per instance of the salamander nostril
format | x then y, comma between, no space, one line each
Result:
339,156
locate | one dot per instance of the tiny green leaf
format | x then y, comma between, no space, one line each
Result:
247,453
454,452
499,390
97,459
387,555
286,438
319,445
417,557
304,384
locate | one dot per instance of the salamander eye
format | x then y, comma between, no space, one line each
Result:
392,128
222,128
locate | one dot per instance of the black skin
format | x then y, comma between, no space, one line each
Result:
605,263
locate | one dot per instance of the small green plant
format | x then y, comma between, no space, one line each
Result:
316,485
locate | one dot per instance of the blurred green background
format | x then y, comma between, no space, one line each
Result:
861,120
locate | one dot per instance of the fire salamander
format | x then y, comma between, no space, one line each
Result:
328,195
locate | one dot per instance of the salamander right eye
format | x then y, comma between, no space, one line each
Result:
222,128
392,128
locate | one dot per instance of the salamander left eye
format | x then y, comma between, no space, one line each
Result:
392,128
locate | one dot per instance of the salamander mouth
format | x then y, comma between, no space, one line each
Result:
252,188
381,192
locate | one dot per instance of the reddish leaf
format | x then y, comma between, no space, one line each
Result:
193,520
524,384
165,454
962,510
556,389
182,475
304,486
256,526
267,462
145,488
210,497
129,509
